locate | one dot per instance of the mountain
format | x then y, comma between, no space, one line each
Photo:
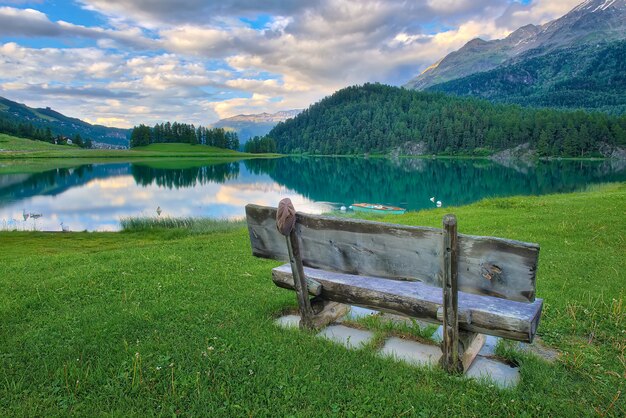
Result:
60,124
592,22
248,126
582,77
475,56
380,119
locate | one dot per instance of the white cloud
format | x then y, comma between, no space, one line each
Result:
538,12
195,60
33,23
112,87
26,22
155,13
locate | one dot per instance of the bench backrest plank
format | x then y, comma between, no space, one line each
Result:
486,265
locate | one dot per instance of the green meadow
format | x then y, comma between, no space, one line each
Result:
176,319
20,148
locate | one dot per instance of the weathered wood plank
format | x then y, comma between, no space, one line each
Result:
463,317
450,359
489,315
315,288
486,265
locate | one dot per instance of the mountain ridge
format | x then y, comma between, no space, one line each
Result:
258,124
592,79
589,22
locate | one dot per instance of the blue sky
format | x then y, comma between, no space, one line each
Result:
125,62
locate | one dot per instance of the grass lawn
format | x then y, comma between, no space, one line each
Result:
19,148
179,322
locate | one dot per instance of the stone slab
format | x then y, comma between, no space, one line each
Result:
411,352
539,349
288,321
500,374
357,312
348,337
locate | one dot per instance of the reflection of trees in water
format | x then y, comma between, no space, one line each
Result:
184,177
261,166
403,182
58,180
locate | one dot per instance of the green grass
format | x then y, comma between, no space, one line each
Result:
20,148
188,225
183,149
168,322
11,144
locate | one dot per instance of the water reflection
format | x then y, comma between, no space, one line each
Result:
410,182
96,196
175,178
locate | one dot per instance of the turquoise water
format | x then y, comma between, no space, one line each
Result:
95,196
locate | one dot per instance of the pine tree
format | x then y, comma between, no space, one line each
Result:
77,140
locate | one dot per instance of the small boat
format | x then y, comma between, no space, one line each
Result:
372,208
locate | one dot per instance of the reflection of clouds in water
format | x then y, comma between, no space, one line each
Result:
100,203
112,183
241,194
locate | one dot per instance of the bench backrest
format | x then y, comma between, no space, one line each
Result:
486,265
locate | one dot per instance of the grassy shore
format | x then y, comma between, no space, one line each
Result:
169,322
19,148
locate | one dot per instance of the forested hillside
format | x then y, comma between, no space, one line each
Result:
46,124
376,118
589,77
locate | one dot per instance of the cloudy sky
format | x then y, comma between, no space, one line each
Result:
125,62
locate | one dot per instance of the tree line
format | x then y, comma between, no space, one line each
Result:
167,132
260,145
30,131
376,118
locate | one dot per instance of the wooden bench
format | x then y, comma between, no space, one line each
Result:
473,285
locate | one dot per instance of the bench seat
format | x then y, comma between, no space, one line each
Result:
477,313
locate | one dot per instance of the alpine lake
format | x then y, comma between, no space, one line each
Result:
95,196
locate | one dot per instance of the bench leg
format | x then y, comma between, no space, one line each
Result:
450,360
302,290
286,225
470,344
326,312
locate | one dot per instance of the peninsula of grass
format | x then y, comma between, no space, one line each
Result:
177,322
19,148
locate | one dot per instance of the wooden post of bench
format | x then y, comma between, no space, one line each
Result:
450,360
285,223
